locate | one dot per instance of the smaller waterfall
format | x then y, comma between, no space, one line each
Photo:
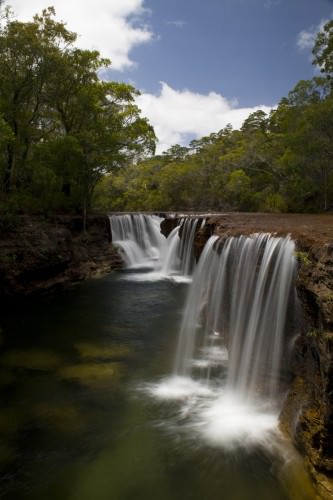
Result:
143,246
139,238
180,258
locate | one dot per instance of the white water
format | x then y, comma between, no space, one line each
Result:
139,238
143,247
238,301
228,361
179,258
208,413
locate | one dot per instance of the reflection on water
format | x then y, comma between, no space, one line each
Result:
75,426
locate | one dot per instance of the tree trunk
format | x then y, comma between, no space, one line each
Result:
84,216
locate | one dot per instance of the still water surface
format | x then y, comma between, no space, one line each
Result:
75,423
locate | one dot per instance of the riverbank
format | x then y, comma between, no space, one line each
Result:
39,254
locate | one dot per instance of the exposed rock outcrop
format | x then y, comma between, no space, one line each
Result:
307,415
39,254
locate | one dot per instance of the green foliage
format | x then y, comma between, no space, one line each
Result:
303,258
274,202
237,189
61,128
318,334
323,49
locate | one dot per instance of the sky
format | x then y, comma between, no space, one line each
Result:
198,64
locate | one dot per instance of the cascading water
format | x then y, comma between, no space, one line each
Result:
139,238
143,246
238,305
231,342
179,258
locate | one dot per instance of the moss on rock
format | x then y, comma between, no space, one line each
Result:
92,351
31,359
93,374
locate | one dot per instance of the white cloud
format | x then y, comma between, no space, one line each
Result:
113,27
176,114
306,38
178,23
268,4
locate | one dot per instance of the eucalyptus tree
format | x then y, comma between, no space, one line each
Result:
66,127
303,126
27,54
323,49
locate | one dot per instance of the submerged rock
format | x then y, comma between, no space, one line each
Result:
92,351
93,374
31,359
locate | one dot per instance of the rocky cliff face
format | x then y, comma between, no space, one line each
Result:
307,415
39,254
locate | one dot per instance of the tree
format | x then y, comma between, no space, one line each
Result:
303,125
323,49
238,188
314,143
27,55
255,122
66,124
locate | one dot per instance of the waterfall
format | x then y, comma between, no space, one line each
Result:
236,312
179,258
139,238
233,337
142,245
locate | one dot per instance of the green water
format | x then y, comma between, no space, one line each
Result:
73,424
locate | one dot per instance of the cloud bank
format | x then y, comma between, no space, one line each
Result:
178,114
112,27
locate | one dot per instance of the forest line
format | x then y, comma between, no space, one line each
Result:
72,142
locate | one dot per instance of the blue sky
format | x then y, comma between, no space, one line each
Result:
243,49
199,64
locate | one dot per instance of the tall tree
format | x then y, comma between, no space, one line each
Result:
323,49
65,123
27,54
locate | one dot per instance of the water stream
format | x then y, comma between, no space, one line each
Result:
144,248
90,410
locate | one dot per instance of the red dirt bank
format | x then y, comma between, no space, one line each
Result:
306,229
